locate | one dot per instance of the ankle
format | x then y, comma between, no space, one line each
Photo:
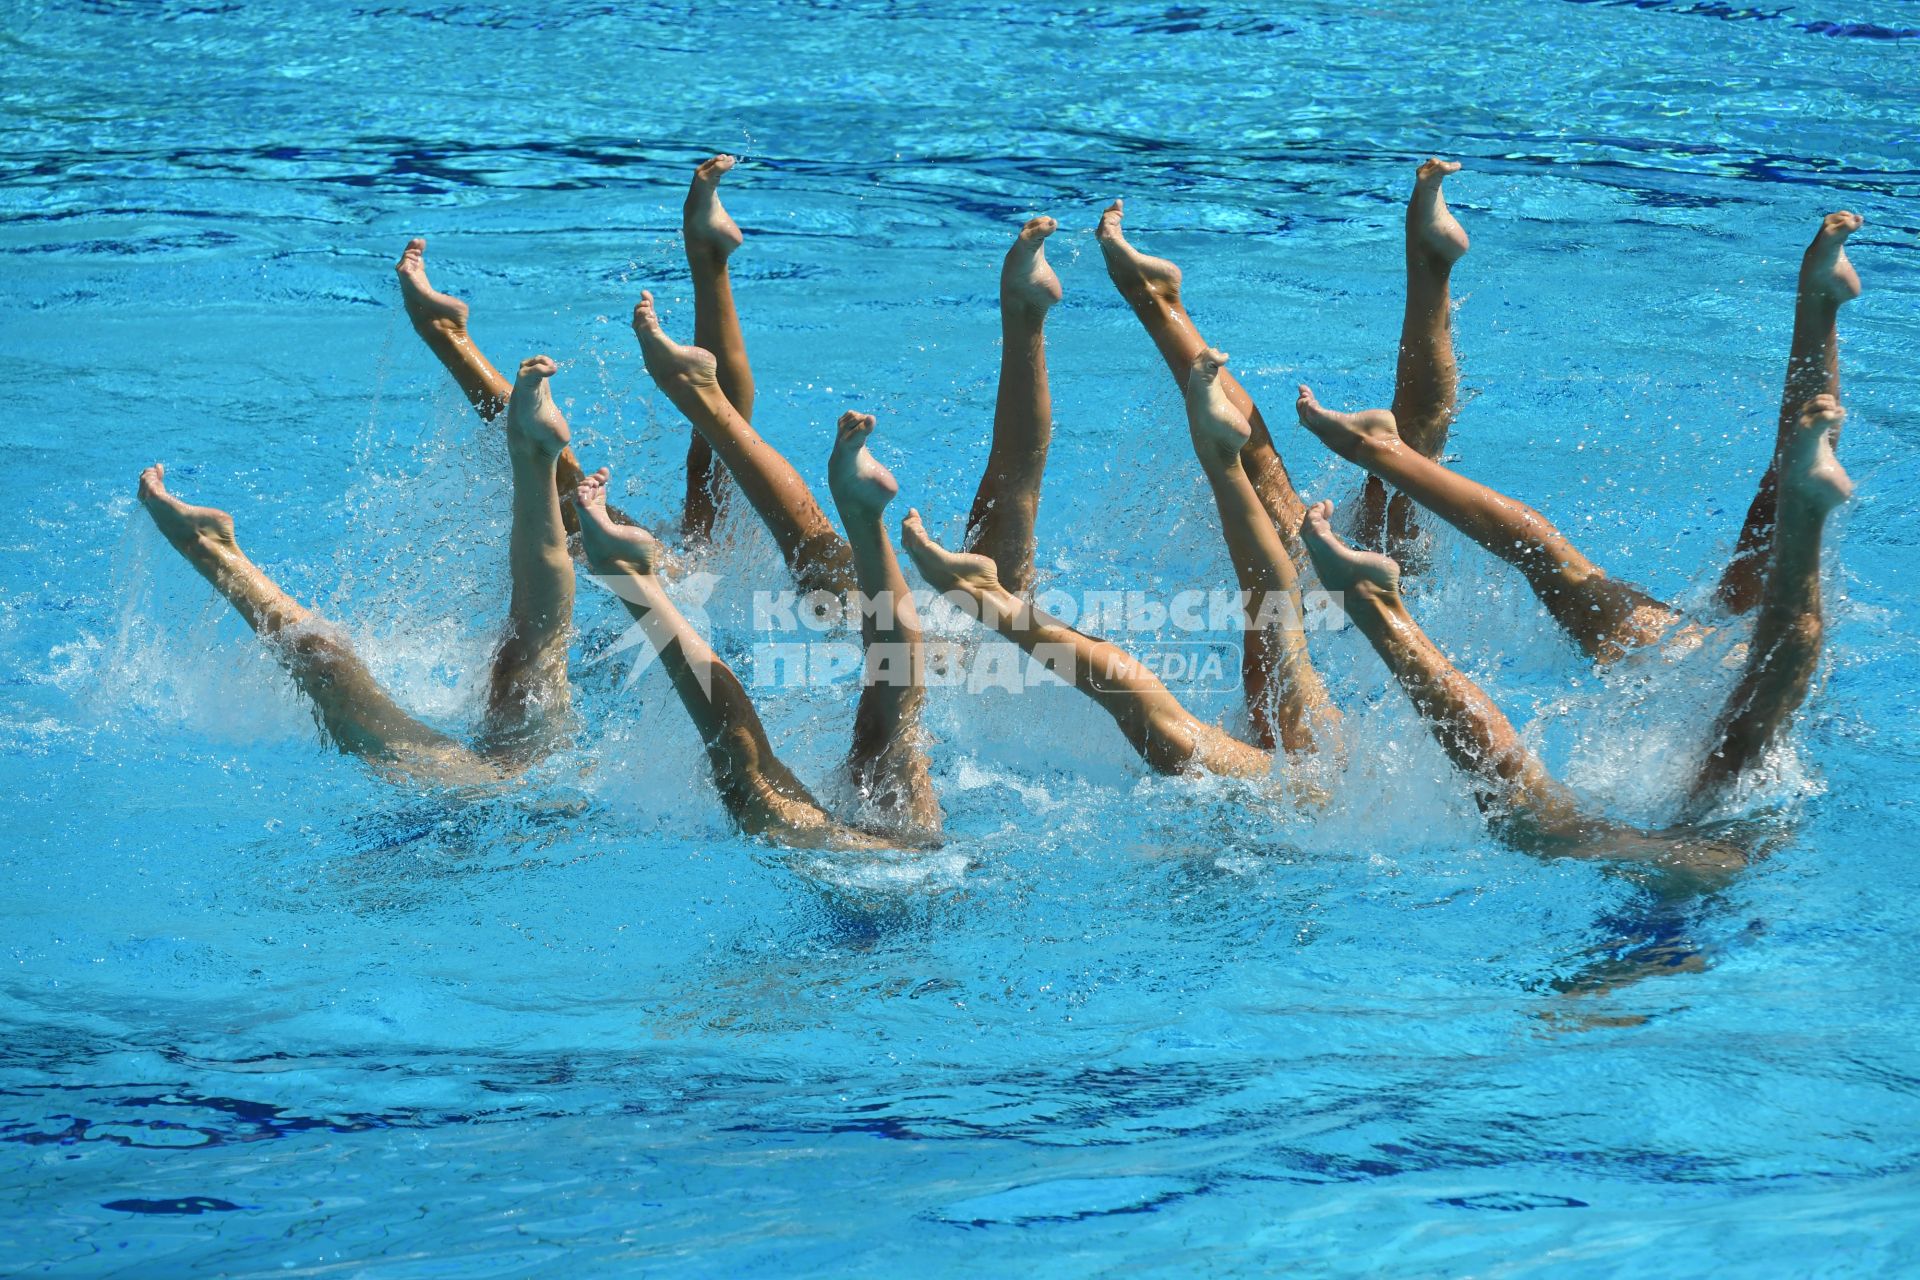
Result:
705,258
440,328
1022,321
1220,463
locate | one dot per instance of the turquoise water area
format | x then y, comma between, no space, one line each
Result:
263,1013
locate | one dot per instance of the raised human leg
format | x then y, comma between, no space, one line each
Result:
711,236
441,321
1286,699
888,760
1827,282
1510,784
1522,801
1168,737
759,791
1426,378
1151,286
354,712
1008,500
528,689
818,557
1605,618
1785,651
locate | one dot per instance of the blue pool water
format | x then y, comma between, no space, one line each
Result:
263,1013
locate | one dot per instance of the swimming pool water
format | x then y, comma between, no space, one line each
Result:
263,1013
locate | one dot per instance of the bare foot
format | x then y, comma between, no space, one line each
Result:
533,420
703,220
1219,430
1366,573
428,308
610,546
1026,279
1809,472
1140,279
862,487
1825,273
947,570
670,364
193,531
1347,434
1432,231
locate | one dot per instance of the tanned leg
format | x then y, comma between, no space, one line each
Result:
1286,700
888,761
818,557
1167,736
1785,651
1151,286
711,237
528,690
1605,618
1522,801
1507,779
760,792
441,322
356,714
1426,379
1008,500
1827,281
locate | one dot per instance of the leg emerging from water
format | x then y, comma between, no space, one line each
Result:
1151,286
1785,650
711,237
1001,524
441,322
1286,700
760,792
888,761
1827,281
1167,736
1604,617
1509,783
527,695
356,714
1426,379
817,556
1522,801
